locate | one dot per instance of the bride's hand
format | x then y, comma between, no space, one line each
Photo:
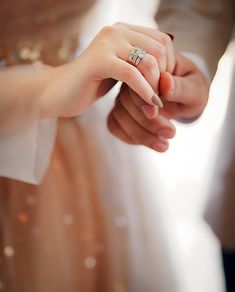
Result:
136,122
72,88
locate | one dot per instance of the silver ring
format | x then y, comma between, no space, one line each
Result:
136,56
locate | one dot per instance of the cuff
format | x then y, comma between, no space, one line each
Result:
25,155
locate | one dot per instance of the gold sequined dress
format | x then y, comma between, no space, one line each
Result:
84,228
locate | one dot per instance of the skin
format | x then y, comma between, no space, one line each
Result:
69,90
39,91
102,64
184,93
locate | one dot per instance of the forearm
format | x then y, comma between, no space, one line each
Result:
21,88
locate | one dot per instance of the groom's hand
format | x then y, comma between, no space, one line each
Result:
135,122
184,93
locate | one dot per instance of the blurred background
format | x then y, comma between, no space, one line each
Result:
185,172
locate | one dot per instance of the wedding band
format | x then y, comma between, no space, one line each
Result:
136,56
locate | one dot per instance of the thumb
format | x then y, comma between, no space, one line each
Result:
177,89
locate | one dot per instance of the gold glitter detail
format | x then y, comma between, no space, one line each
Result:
63,53
8,251
24,53
34,55
23,218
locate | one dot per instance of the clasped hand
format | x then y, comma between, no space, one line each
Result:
135,118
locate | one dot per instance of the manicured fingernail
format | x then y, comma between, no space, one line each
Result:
156,100
149,111
170,35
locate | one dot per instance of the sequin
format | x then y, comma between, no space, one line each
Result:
90,262
34,55
24,53
63,53
23,218
119,286
68,219
31,200
8,251
121,221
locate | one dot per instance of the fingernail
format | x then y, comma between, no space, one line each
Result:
172,84
156,100
149,111
166,133
170,35
160,146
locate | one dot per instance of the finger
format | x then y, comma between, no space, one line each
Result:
184,97
151,46
143,109
148,66
179,89
125,72
184,66
171,110
136,132
117,131
136,109
160,37
149,69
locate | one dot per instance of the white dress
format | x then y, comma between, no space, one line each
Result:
94,223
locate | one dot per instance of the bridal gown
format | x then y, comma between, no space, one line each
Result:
94,223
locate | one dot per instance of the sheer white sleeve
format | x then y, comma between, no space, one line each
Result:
25,154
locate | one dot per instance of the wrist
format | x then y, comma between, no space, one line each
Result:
66,89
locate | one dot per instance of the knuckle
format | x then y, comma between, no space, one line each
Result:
119,24
108,30
151,62
161,51
128,72
165,39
